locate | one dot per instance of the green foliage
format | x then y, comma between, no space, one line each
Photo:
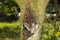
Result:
49,32
9,7
9,30
50,8
12,33
51,28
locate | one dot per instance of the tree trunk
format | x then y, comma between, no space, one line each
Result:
39,7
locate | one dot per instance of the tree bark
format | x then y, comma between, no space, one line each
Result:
39,7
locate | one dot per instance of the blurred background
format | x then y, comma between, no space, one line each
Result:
51,27
9,20
10,26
